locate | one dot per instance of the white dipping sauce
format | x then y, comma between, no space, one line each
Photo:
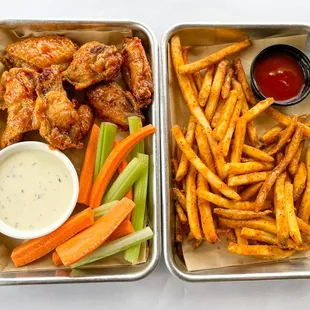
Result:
35,190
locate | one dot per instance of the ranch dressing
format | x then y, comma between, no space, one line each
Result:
35,190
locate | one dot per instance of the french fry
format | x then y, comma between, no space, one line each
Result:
205,211
198,80
240,214
247,160
271,135
215,91
272,177
303,226
196,243
293,165
226,114
241,77
244,168
260,224
304,209
250,191
218,112
214,58
231,236
190,236
190,77
224,144
180,198
191,203
263,251
227,83
206,87
175,165
300,179
178,230
184,163
238,142
279,157
290,211
258,109
256,153
259,235
181,214
284,138
248,178
240,239
201,167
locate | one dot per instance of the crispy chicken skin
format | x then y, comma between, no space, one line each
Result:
113,104
60,122
19,99
39,53
92,63
137,72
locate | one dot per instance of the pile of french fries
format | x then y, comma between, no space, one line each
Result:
253,190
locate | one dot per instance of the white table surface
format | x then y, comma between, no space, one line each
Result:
161,290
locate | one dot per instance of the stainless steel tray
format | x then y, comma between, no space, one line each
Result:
124,273
202,34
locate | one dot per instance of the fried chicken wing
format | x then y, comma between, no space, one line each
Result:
60,123
92,63
137,72
19,99
39,53
113,104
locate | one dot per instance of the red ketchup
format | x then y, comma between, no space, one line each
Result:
279,76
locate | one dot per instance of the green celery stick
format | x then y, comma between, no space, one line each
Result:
125,180
98,152
135,123
116,246
137,218
109,132
103,209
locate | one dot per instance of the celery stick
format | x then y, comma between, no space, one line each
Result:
109,132
135,123
137,218
125,180
103,209
98,152
116,246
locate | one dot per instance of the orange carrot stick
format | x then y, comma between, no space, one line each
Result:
113,161
91,238
36,248
87,172
124,229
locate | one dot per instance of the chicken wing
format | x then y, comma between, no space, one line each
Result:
113,104
137,72
19,99
39,53
60,123
92,63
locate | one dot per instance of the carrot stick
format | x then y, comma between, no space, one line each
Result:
91,238
113,161
87,172
36,248
124,229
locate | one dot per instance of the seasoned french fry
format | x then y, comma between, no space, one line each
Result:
248,178
271,135
224,144
190,77
231,236
240,214
180,198
304,209
241,77
184,163
214,58
290,211
258,109
181,214
206,87
178,230
227,83
284,138
256,153
191,203
250,191
247,160
300,180
238,142
240,239
279,157
218,112
205,211
244,168
198,80
215,91
196,243
175,165
303,226
272,177
293,165
259,235
201,167
260,224
226,114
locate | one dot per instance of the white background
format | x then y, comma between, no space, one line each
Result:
161,290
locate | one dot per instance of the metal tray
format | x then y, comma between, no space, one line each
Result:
202,34
123,273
